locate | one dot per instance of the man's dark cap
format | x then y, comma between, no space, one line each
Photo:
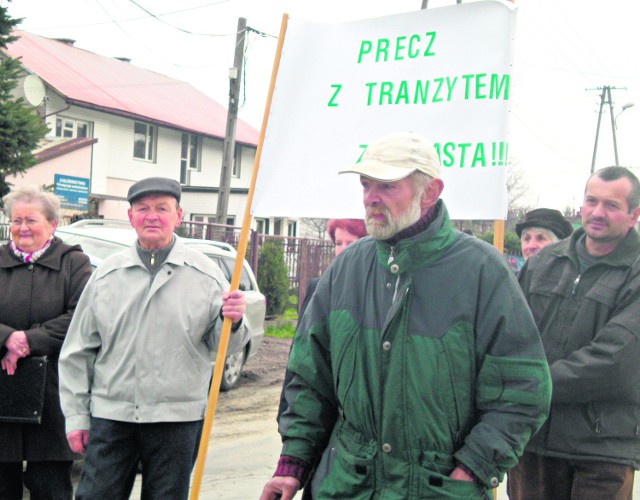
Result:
546,218
154,185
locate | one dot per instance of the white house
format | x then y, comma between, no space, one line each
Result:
136,123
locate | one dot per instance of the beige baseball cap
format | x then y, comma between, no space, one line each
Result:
396,156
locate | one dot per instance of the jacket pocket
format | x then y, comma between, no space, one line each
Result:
352,473
434,485
610,420
595,429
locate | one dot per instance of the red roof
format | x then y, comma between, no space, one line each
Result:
113,86
62,147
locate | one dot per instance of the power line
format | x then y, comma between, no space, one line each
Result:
158,18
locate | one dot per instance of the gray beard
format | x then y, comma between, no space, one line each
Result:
391,227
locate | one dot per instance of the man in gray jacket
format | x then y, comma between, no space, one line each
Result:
584,293
136,364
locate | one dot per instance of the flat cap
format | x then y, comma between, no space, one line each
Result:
154,185
546,218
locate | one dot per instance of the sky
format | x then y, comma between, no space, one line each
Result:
565,52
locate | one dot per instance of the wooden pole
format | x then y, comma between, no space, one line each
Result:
235,281
498,235
229,146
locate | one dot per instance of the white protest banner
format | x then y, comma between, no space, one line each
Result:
444,73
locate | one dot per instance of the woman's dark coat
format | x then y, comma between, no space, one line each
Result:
40,298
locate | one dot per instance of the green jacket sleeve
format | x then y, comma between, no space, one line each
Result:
513,386
312,406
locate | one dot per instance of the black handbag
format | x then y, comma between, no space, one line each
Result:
22,394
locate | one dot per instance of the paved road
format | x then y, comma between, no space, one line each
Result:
243,452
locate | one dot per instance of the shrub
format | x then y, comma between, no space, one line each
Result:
272,277
511,241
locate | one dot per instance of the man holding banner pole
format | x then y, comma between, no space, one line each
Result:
417,368
136,364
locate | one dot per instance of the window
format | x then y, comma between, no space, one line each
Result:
262,226
71,128
213,232
144,141
202,231
237,161
209,219
189,156
292,229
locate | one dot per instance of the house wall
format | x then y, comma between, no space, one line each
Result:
110,164
113,168
76,164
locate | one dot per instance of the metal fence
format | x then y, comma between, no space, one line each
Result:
305,258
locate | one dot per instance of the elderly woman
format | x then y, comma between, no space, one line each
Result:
541,227
41,280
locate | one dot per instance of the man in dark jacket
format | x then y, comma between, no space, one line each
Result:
584,293
417,367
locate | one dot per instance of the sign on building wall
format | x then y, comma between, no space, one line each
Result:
444,73
73,192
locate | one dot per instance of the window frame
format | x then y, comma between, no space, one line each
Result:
62,120
187,163
150,141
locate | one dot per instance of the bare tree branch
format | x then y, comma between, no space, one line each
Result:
315,225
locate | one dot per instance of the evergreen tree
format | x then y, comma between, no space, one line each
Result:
20,128
272,277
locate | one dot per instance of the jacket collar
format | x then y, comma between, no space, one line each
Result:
176,255
624,254
421,249
52,258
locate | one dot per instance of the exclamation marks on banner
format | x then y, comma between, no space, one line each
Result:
499,154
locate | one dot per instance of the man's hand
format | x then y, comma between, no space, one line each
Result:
459,474
233,305
78,441
283,487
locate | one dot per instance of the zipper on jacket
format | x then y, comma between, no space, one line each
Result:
153,258
392,254
575,284
395,291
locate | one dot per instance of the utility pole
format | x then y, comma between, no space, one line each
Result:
605,98
235,77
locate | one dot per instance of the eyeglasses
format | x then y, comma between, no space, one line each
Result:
28,222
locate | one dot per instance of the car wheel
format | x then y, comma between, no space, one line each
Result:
232,370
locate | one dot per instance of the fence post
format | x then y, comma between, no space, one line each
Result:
254,249
303,274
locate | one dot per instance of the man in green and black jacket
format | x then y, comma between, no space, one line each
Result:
418,369
584,294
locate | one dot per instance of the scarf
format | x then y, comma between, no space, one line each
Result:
30,257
